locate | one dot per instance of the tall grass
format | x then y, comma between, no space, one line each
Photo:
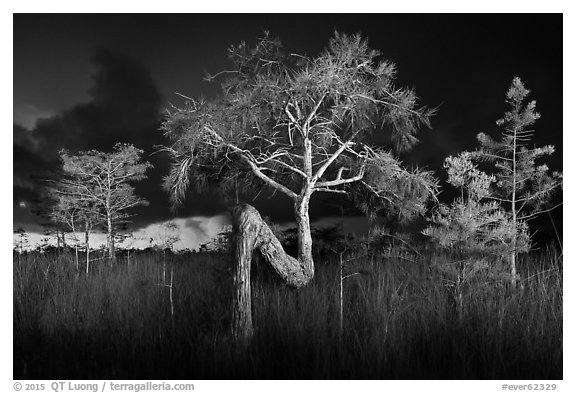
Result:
399,322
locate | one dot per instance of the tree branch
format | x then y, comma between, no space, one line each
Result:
335,191
375,100
530,216
292,119
290,167
255,168
333,158
339,181
313,112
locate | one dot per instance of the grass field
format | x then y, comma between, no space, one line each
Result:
400,321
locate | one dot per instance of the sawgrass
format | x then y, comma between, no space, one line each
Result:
400,321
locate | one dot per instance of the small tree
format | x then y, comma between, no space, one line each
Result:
165,240
102,180
22,240
43,209
297,125
169,235
72,209
474,229
65,213
522,187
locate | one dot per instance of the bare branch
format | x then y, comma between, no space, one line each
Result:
292,119
333,158
332,190
290,167
313,112
338,181
250,160
536,213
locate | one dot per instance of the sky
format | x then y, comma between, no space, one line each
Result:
88,81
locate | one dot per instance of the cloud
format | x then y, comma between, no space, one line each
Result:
26,115
191,233
30,170
124,107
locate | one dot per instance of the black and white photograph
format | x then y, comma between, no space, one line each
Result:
288,196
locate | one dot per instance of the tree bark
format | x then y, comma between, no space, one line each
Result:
75,245
252,233
87,243
111,250
513,272
304,236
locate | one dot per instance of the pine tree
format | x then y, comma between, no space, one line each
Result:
522,187
474,229
299,126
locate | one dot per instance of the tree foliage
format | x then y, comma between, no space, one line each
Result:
473,232
103,179
96,186
521,185
492,213
473,225
69,209
293,123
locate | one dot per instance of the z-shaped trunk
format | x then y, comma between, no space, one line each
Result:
251,233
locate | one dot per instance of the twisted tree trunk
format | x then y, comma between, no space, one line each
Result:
252,233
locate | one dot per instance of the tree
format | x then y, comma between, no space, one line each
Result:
43,209
473,228
22,241
101,180
298,125
72,209
67,213
165,240
522,186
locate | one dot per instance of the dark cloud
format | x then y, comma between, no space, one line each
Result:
29,166
27,115
26,159
125,106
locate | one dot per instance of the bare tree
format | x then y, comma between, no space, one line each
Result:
170,234
72,209
101,180
66,212
298,125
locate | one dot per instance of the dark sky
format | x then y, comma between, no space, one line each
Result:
99,79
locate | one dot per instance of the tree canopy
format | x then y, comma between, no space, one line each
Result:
293,123
492,213
96,186
522,186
